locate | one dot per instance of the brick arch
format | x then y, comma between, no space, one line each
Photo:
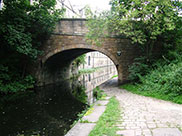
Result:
70,34
81,46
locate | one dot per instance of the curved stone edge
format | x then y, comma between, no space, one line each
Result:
83,129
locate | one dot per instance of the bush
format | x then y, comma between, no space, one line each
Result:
11,81
167,78
164,81
139,68
24,28
98,93
79,93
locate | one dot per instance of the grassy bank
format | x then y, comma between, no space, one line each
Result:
138,89
106,123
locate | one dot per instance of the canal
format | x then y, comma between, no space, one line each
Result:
52,109
47,111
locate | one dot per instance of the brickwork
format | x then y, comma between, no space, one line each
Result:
104,70
69,39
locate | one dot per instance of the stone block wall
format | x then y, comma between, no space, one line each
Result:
68,42
104,70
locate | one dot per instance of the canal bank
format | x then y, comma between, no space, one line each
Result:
51,109
87,123
46,112
139,116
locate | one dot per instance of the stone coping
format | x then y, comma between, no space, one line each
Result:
87,123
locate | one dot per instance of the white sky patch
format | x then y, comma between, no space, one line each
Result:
78,5
94,4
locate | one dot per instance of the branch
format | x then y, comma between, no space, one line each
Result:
71,9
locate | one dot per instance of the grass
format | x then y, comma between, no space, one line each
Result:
85,121
132,88
135,88
114,76
107,121
85,112
89,111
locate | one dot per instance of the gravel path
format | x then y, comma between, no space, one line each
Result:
144,116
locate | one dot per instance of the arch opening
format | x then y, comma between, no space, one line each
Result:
58,69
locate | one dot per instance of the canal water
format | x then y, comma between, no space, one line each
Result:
47,111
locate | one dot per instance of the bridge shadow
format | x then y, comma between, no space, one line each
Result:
59,69
110,83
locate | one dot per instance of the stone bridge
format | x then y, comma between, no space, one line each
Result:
68,42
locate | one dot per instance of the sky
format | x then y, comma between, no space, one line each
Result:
95,4
98,5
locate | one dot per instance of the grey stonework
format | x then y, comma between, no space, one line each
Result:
145,116
104,70
68,42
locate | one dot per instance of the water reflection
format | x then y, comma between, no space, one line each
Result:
48,112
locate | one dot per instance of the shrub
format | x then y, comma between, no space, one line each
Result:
12,81
98,93
165,80
139,68
79,93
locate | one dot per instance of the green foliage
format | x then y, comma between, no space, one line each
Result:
97,93
114,76
146,22
23,29
139,68
85,121
131,87
79,93
11,81
80,60
89,111
87,71
151,24
143,20
29,135
163,82
97,26
82,72
107,122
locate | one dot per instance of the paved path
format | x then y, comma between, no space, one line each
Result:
144,116
82,128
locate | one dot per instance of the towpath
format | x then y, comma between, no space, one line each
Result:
144,116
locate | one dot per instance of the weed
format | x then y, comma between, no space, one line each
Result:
106,123
89,111
85,121
98,93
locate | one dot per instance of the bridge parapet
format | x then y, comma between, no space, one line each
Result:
69,26
68,42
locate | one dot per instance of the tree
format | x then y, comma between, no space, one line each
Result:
145,21
24,27
97,25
